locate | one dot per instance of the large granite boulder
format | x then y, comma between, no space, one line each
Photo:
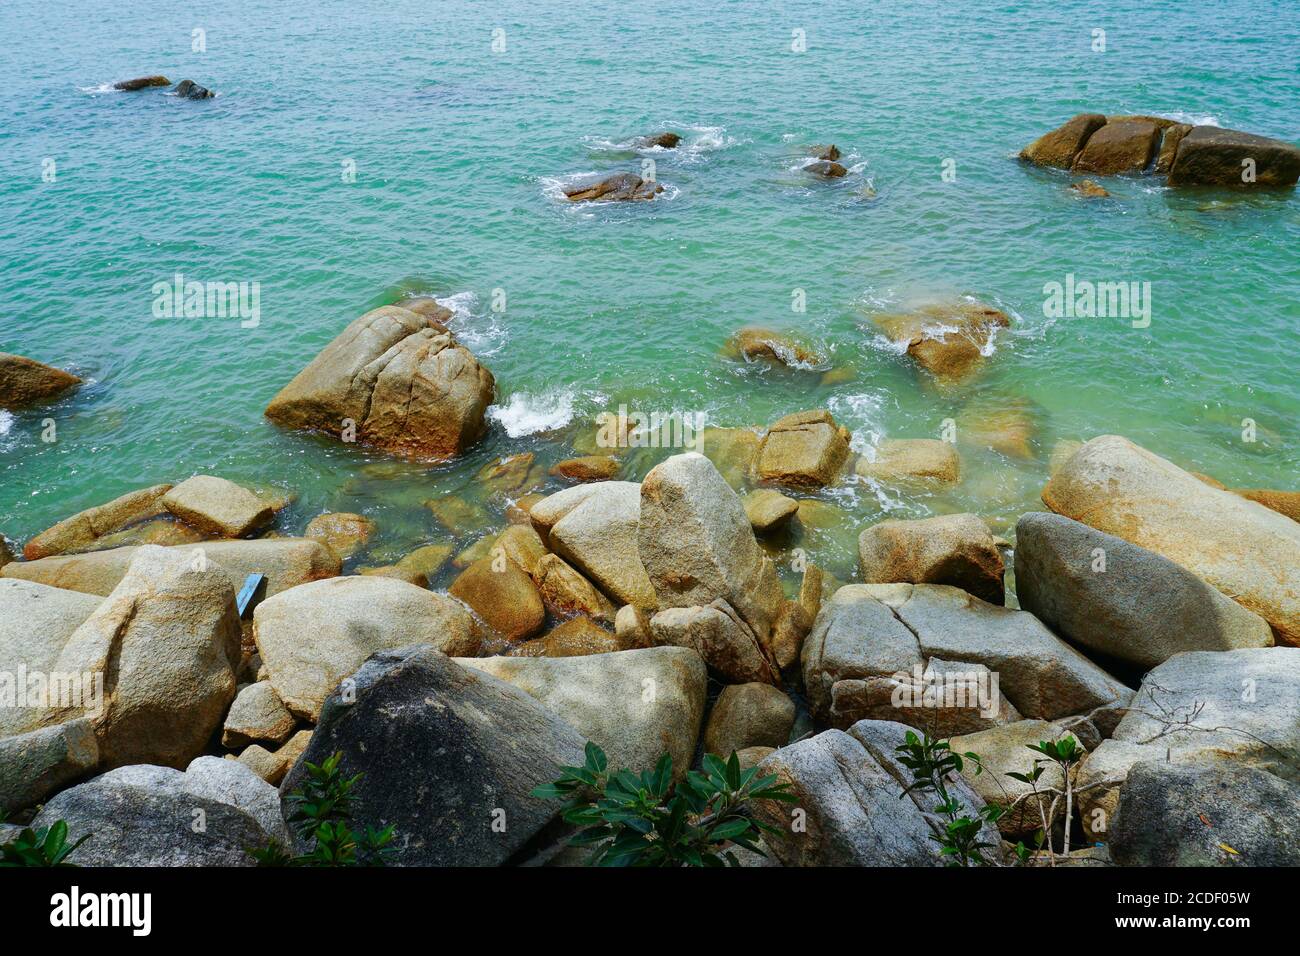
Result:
804,450
1106,595
162,650
25,381
866,635
1127,146
212,814
1210,156
82,530
1181,815
286,562
449,755
313,636
946,549
395,379
35,624
596,532
1247,551
1240,708
503,595
636,704
697,545
950,340
849,810
717,632
748,715
1060,146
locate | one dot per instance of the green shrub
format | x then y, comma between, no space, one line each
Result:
321,815
47,846
643,819
932,763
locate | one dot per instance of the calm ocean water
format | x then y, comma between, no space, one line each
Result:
459,151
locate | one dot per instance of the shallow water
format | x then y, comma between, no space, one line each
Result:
459,152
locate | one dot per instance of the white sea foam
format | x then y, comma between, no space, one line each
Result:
480,332
1192,119
6,422
527,413
860,413
697,142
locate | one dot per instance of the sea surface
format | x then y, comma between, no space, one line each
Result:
463,121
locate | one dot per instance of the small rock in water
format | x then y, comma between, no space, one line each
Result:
827,169
829,152
623,187
188,89
1089,189
141,82
662,140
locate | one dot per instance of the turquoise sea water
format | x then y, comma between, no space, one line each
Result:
459,151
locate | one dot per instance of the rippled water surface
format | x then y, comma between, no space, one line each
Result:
459,154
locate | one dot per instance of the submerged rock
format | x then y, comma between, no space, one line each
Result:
775,348
1248,552
662,140
588,468
1106,595
768,509
622,187
342,532
828,152
1089,189
948,340
394,379
911,461
826,169
25,381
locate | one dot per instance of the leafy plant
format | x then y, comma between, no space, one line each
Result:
1065,754
321,815
47,846
932,763
643,819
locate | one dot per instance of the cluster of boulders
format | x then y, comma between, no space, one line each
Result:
1188,155
186,89
1157,626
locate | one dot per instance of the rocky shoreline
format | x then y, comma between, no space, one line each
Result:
201,644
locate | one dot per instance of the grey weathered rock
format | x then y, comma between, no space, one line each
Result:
1190,815
189,90
1239,707
1104,594
943,699
598,536
718,634
313,636
947,549
447,752
748,715
217,506
228,781
35,624
697,545
854,810
1247,551
286,562
257,714
165,645
635,704
35,764
395,379
911,461
142,815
